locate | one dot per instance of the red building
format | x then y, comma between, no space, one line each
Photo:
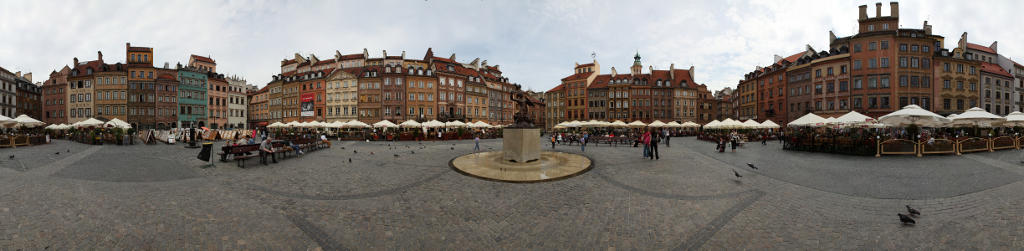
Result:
54,95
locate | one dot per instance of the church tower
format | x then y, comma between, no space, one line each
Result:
635,69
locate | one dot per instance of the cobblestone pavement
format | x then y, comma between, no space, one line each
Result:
158,197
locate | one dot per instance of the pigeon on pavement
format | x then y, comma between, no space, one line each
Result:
906,220
752,166
737,174
913,212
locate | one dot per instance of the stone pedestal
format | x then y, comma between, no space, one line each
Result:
521,144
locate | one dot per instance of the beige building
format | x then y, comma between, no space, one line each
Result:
342,95
80,89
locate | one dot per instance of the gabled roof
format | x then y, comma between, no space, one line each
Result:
980,48
203,59
352,56
323,62
601,81
794,57
994,69
577,76
557,88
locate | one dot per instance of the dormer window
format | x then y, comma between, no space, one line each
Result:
451,68
88,71
410,70
428,73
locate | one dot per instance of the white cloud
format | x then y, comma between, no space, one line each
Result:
535,42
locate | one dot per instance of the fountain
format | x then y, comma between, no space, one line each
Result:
520,159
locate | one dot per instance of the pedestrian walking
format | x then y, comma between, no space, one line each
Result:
764,139
645,139
654,146
553,141
667,137
583,142
476,144
733,141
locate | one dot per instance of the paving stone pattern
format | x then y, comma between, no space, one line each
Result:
158,197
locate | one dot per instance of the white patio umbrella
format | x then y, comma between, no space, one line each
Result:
636,124
27,122
410,124
618,123
977,117
1014,119
91,122
384,124
831,121
433,124
712,125
751,124
673,124
574,123
809,119
454,124
729,124
854,118
657,123
293,124
690,124
768,124
355,124
276,125
592,123
479,124
336,124
117,123
913,114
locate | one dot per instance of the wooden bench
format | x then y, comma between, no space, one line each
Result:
243,152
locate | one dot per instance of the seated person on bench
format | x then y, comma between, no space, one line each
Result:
266,148
295,147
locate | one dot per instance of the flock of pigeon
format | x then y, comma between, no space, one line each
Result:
905,219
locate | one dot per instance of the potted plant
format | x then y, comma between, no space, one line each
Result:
119,136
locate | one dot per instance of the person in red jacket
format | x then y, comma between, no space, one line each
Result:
646,140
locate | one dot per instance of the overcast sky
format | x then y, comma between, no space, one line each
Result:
536,43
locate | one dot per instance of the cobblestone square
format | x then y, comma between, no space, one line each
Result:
159,197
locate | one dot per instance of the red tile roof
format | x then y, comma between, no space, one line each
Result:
323,62
557,88
166,76
493,68
352,56
601,81
94,65
980,48
994,69
394,57
203,59
577,76
445,60
287,62
794,57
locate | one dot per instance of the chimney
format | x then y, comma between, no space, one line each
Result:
403,54
878,9
99,54
831,37
651,68
994,46
385,54
894,9
28,76
167,65
691,73
366,54
863,12
76,62
777,58
614,72
927,28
